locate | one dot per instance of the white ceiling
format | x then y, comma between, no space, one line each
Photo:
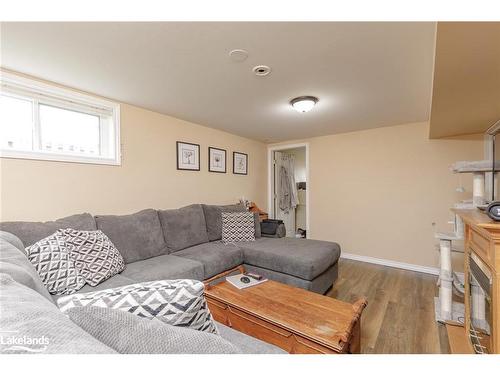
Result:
366,75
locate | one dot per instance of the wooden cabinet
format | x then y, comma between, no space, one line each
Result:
482,272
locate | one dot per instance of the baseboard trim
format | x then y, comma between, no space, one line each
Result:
391,263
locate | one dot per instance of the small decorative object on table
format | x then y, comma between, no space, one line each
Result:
245,202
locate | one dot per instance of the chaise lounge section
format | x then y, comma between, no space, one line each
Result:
307,264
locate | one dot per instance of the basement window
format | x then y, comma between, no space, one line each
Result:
46,122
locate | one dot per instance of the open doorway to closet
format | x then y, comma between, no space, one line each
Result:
288,187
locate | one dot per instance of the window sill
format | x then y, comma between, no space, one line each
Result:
45,156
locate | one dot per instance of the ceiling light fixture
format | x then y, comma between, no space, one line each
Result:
304,104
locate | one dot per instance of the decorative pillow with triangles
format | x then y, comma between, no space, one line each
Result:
55,266
176,302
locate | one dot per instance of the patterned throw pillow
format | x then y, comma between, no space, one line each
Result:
54,265
238,227
95,256
176,302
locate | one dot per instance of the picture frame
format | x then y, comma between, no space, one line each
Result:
188,156
240,163
217,160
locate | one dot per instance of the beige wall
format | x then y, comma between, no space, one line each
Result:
377,192
43,190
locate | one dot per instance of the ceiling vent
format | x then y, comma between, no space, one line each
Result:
238,55
261,70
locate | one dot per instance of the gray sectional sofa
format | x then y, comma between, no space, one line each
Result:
174,244
185,243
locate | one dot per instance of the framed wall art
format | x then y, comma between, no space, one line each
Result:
188,156
216,160
240,163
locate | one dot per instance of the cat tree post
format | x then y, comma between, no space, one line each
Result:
445,280
478,188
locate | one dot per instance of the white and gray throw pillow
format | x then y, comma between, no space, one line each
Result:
54,265
95,256
238,227
176,302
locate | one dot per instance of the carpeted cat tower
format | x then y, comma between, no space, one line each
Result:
450,282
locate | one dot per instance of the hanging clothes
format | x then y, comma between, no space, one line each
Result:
286,190
288,196
285,202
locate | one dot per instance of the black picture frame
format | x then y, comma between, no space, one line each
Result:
210,160
236,153
180,166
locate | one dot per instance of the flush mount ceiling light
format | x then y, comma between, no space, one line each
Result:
304,104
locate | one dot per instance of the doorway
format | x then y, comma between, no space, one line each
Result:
288,197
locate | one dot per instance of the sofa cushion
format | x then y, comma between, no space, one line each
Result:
137,236
213,218
183,227
177,302
55,265
25,313
215,257
164,267
130,334
13,262
31,232
247,344
294,256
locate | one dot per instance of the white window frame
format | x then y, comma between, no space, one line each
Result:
68,99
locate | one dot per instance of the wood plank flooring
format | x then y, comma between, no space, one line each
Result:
399,317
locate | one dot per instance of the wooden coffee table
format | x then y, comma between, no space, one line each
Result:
293,319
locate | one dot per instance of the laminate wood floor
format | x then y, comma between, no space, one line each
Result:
399,317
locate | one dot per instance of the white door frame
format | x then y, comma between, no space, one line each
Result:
270,200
